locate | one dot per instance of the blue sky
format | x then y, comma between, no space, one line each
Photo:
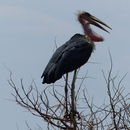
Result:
28,29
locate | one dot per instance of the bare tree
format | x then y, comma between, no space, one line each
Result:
65,111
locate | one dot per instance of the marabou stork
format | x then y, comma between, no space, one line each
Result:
76,51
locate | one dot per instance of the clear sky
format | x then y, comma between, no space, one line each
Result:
28,29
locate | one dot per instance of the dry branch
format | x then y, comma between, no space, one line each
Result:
66,112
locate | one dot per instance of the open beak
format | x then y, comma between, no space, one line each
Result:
95,21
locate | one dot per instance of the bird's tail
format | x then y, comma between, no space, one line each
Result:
50,76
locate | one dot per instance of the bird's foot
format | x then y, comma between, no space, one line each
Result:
71,114
75,113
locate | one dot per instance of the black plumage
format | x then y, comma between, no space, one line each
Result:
68,57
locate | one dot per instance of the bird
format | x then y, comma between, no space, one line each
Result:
76,51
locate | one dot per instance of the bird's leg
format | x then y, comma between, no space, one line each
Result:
73,100
66,94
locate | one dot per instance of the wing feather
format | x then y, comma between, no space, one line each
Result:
67,57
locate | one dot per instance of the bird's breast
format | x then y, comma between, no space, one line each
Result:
90,42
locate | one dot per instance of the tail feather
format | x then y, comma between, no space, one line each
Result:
50,76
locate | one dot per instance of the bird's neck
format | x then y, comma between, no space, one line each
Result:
91,34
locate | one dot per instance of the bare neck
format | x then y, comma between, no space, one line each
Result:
91,34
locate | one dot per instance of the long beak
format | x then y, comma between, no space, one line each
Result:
95,21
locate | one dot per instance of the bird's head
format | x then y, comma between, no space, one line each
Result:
86,19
